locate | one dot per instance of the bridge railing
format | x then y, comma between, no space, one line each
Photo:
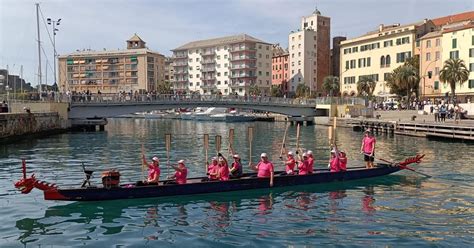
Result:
163,98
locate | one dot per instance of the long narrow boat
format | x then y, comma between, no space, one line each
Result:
199,186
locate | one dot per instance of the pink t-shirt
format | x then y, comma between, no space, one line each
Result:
334,164
291,165
303,167
224,173
311,164
152,171
181,176
342,163
368,144
264,169
213,169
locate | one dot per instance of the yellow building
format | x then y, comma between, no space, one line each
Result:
458,42
134,69
378,53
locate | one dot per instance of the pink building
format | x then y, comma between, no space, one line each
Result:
280,70
430,50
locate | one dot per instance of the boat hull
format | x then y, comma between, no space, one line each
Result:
195,186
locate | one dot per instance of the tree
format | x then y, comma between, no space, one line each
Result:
164,88
302,90
331,85
408,79
366,85
254,90
454,70
276,91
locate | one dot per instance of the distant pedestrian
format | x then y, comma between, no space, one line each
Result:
4,108
436,113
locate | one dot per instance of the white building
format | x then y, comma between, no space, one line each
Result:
226,65
309,50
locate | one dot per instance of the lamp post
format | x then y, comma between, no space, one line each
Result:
424,75
54,24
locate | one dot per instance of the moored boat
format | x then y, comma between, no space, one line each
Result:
199,185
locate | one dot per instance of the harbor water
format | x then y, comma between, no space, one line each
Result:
400,210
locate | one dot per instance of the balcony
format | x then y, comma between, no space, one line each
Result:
243,75
242,66
208,53
247,47
208,86
181,72
208,69
180,56
243,57
179,64
207,61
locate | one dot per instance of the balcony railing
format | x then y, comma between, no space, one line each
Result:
208,69
242,66
208,53
181,72
180,56
244,48
243,57
208,61
180,64
243,75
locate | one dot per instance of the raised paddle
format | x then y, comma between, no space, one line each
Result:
231,142
284,141
218,143
168,147
334,130
298,140
143,162
206,148
250,137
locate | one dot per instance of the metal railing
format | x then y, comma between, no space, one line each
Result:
165,98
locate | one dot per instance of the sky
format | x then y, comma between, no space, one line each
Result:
167,24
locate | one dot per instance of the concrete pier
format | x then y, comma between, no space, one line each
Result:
17,125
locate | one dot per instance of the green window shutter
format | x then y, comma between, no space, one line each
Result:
70,61
436,85
133,58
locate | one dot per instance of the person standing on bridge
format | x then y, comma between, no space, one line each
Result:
368,148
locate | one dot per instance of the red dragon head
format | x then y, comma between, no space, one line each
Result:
25,185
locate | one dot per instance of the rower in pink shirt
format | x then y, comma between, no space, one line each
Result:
311,162
153,170
223,173
264,168
290,164
213,169
181,173
368,148
303,165
334,160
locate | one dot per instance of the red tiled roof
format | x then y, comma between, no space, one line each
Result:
467,26
453,18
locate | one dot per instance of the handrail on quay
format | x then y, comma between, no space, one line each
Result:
172,98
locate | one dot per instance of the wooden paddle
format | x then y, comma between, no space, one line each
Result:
284,141
143,162
231,142
218,143
298,140
250,137
206,148
168,147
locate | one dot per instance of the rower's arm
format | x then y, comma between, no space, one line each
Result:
271,178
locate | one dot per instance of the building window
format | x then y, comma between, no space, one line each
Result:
197,75
436,71
299,54
299,62
428,43
225,73
455,43
347,64
368,62
471,84
387,61
401,57
437,55
471,52
436,85
454,55
428,56
438,41
471,67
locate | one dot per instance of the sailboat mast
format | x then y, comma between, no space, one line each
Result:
39,48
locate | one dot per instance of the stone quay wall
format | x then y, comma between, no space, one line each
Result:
20,124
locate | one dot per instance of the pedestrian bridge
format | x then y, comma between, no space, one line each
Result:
106,106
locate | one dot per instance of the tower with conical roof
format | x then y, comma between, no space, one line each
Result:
135,42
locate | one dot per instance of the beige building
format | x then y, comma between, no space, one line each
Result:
430,50
226,65
169,70
134,69
378,53
458,42
309,53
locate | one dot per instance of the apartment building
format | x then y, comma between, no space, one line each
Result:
110,71
280,68
169,70
458,43
377,53
336,55
309,50
431,62
226,65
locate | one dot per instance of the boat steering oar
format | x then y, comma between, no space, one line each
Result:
403,164
218,143
250,137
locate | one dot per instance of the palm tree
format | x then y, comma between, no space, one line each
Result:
331,84
407,78
302,90
366,85
254,90
276,90
454,70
